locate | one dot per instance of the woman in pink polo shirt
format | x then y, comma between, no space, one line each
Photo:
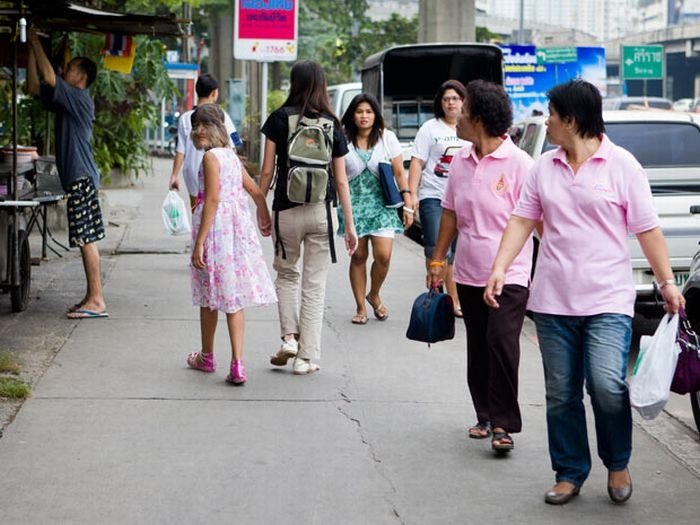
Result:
486,178
589,194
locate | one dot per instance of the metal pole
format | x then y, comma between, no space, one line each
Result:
186,13
163,124
14,278
621,71
664,80
263,108
521,30
14,116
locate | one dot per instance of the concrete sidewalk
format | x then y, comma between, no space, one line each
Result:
119,431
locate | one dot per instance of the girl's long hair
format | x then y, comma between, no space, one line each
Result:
349,119
308,91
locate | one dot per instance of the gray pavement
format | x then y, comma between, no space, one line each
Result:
119,431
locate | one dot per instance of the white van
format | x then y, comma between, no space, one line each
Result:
340,96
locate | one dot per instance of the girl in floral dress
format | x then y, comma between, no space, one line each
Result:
369,144
228,269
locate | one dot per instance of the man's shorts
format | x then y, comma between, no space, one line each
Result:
85,224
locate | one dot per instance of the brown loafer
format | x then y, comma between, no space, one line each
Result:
619,495
560,498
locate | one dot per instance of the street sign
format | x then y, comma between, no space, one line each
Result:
556,55
642,62
265,30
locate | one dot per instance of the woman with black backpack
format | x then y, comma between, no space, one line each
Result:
304,140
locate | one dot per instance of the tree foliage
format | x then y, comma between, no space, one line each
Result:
483,34
125,104
340,36
336,33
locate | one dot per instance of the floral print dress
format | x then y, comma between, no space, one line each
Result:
236,275
367,199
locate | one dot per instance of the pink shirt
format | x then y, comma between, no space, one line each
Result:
583,265
483,193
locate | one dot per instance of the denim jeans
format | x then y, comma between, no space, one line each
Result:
430,211
593,349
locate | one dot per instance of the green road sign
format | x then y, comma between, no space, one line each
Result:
556,55
642,62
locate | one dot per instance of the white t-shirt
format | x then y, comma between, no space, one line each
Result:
386,149
435,144
193,156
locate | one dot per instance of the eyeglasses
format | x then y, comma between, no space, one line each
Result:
447,100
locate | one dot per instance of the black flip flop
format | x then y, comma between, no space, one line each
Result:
497,443
480,427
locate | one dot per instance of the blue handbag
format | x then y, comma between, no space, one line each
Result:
392,195
432,318
390,192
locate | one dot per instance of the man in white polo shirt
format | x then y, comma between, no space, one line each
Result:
207,89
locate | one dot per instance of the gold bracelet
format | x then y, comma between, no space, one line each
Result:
436,263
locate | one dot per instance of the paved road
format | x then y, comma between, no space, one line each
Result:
119,431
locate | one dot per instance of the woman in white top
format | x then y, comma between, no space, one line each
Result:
434,146
369,144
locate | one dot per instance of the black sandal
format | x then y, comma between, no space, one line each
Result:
480,431
502,442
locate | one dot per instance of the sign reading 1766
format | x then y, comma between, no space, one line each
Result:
642,62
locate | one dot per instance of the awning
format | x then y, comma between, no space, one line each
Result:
60,15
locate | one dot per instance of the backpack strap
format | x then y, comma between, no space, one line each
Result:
293,120
331,240
278,240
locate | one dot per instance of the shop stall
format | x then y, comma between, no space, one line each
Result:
28,181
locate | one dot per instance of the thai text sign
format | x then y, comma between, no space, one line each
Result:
640,62
527,79
265,30
556,55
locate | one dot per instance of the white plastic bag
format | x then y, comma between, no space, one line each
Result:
175,214
650,383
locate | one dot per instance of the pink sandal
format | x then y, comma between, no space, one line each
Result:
237,375
205,362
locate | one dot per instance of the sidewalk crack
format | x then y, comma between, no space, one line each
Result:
372,453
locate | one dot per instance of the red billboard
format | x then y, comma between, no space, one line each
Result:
266,30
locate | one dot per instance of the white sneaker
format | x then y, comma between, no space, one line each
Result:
304,366
288,350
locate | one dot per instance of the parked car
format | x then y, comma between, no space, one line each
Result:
667,144
683,104
636,103
341,95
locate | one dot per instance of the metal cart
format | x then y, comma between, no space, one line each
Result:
15,263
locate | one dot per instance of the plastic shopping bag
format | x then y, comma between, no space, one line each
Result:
650,383
175,214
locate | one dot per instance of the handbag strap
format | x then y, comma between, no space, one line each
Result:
686,337
386,151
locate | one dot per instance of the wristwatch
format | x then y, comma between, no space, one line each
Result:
665,283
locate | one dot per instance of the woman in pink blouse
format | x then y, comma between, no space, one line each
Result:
486,178
590,194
